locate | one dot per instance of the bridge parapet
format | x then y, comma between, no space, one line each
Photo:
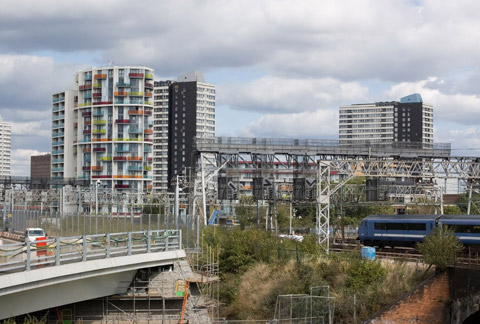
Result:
65,250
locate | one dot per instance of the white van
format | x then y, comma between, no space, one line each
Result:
31,234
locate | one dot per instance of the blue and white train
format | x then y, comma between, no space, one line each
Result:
408,230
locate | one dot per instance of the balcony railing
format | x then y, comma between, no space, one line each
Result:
57,160
58,117
87,167
97,85
128,139
101,140
149,76
120,94
101,176
132,101
100,76
99,122
133,130
148,131
97,168
147,112
87,131
86,150
122,121
58,99
135,158
148,85
135,75
135,112
58,143
135,168
123,85
99,131
85,87
122,150
86,113
97,95
103,103
55,152
137,94
98,113
119,158
122,186
61,125
99,149
106,158
59,134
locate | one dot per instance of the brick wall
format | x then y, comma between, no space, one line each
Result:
427,304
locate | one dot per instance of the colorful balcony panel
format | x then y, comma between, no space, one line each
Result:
135,75
100,76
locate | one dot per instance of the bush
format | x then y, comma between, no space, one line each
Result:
363,273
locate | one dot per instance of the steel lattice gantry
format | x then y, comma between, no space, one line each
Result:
218,157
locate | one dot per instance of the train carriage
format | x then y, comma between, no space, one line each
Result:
395,230
465,227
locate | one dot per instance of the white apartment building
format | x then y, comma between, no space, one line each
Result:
410,120
5,148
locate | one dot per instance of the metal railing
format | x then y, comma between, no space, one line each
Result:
63,250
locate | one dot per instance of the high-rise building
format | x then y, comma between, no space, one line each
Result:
410,120
192,115
62,134
40,166
5,148
160,135
102,129
183,110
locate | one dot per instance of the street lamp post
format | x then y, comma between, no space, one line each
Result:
96,205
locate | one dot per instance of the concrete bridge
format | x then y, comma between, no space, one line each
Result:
451,297
55,272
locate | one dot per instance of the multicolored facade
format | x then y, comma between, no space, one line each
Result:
111,126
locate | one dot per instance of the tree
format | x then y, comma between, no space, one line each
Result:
440,248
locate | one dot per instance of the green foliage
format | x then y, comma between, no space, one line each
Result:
463,203
33,320
451,210
440,248
10,320
360,212
363,273
246,211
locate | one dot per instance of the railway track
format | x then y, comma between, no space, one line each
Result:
468,258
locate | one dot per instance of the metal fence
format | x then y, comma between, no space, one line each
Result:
62,250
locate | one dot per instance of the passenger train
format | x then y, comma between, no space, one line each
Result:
408,230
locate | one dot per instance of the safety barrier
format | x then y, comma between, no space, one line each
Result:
63,250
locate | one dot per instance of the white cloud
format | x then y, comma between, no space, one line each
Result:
36,128
276,94
453,108
312,124
20,164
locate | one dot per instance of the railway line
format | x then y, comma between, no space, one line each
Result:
469,258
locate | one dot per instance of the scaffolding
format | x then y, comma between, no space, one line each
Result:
206,271
314,308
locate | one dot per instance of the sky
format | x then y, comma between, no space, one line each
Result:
281,68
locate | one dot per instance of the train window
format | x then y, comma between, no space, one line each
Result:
464,228
416,226
400,226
